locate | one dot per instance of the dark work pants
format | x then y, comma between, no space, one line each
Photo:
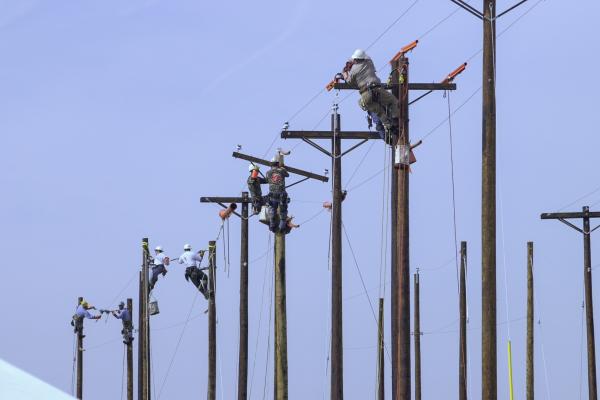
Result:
156,271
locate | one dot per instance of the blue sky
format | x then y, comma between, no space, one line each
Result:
117,116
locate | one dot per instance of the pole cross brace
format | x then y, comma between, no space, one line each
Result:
293,170
472,10
562,217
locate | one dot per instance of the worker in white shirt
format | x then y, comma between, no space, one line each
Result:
160,261
192,262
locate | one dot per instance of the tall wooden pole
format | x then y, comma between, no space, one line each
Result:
243,355
417,336
380,355
337,357
462,363
589,306
130,356
281,361
401,374
143,367
80,357
212,322
488,207
140,337
530,326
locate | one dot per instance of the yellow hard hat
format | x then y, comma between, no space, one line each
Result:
84,303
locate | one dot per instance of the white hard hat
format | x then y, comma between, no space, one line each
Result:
187,247
359,54
252,167
158,248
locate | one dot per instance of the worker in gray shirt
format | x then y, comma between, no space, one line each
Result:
125,316
377,101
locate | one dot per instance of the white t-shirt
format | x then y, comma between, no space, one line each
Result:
159,259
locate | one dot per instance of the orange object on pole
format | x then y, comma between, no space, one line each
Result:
455,73
226,213
405,50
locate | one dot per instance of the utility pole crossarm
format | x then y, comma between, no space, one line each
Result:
216,199
329,135
570,215
293,170
411,86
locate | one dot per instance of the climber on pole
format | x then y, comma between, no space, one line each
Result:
254,182
192,271
381,105
278,198
81,313
125,316
160,261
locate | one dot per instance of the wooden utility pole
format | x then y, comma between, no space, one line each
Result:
281,359
417,335
462,362
400,269
129,347
243,345
80,357
488,207
212,322
336,136
143,332
585,215
243,352
489,384
529,367
380,355
337,351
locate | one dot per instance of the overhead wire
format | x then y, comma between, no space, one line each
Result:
322,90
500,34
456,252
363,283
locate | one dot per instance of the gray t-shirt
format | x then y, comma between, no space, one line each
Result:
362,74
